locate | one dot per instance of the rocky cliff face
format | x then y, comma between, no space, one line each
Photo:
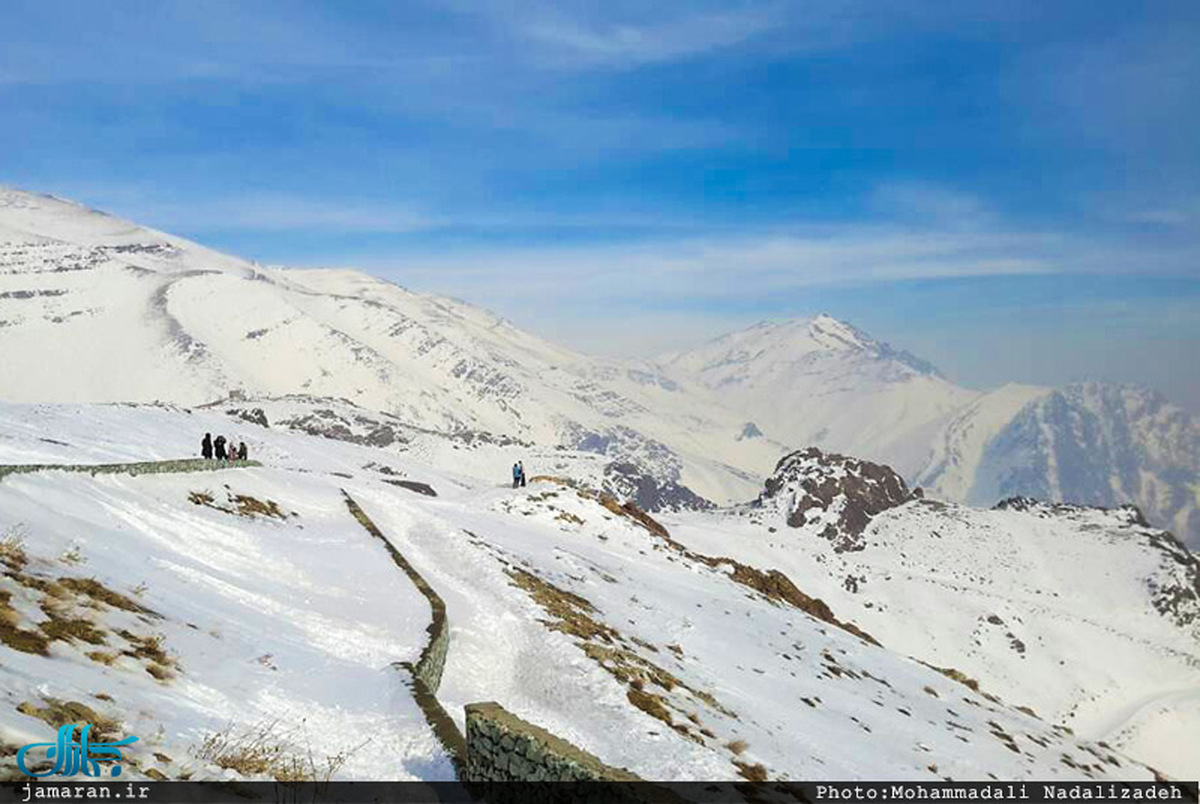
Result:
833,495
1099,444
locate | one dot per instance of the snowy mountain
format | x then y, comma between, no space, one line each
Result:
124,313
200,610
822,382
1090,443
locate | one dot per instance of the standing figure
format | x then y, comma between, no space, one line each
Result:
516,475
521,469
206,447
242,451
219,447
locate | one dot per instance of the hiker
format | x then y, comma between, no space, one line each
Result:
521,469
241,451
516,474
219,447
206,447
231,448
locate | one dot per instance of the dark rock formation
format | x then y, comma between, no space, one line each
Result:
837,494
627,481
413,485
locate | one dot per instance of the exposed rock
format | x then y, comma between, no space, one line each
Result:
834,494
749,430
413,485
253,415
650,494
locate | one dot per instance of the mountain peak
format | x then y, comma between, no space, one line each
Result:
796,340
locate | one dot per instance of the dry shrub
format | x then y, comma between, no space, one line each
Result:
755,772
738,746
12,548
265,749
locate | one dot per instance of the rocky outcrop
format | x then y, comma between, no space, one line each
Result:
627,481
413,486
834,495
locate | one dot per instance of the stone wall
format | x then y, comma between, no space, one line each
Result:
142,468
427,672
502,747
433,658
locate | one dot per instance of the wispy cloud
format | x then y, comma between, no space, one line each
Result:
579,42
730,268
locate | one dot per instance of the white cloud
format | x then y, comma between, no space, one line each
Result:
727,268
581,42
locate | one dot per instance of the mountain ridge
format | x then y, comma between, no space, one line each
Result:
126,313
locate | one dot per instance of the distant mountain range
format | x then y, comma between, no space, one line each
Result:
95,309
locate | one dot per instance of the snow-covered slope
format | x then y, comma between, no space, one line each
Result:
185,606
93,309
1088,616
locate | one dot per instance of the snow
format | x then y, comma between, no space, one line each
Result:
314,596
258,616
298,620
301,619
1051,611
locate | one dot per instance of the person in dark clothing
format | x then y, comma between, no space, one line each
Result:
241,451
521,468
219,447
206,447
516,475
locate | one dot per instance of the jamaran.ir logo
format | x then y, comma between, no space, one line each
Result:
71,757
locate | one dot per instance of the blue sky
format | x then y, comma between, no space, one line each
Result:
1010,189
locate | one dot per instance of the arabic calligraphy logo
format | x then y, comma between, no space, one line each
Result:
71,758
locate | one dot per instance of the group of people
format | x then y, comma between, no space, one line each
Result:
222,449
518,474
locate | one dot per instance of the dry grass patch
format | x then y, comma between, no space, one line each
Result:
573,615
98,592
72,629
239,505
15,637
149,648
754,773
159,672
12,549
61,713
